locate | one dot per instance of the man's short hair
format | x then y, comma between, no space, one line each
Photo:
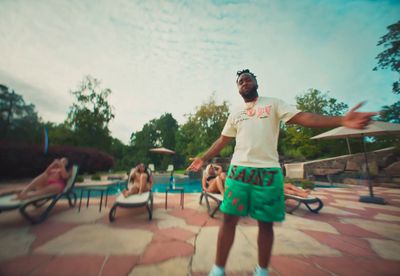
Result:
245,71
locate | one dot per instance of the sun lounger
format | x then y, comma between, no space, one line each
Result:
314,204
152,168
170,169
132,201
144,199
214,196
8,202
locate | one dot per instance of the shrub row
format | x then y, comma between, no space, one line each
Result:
25,160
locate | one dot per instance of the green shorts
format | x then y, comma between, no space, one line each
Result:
257,192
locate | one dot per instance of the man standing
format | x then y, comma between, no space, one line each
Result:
254,183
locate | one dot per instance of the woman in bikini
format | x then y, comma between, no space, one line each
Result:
140,181
51,181
213,179
291,189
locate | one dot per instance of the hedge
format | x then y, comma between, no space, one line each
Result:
26,160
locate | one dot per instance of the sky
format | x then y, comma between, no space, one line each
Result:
170,56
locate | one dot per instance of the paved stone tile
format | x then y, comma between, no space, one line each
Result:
388,230
346,245
71,265
132,218
12,219
160,251
243,256
294,242
387,249
295,222
349,229
117,265
23,265
357,266
392,218
347,206
86,215
47,231
15,242
167,221
391,191
337,211
289,265
171,267
175,233
98,239
353,204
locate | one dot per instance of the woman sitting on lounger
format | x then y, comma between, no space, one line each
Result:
51,181
213,179
291,189
140,181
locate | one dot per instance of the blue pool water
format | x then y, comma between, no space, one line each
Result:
161,184
190,186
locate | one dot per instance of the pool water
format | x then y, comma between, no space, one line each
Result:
190,186
161,184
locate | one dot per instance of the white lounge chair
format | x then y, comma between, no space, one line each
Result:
8,201
214,196
132,201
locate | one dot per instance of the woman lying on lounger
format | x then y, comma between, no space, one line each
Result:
51,181
291,189
140,181
213,179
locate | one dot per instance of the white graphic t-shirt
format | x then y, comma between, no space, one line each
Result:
256,130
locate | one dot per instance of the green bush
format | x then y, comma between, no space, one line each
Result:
307,184
80,178
96,177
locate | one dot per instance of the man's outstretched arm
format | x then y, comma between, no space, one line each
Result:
351,119
218,145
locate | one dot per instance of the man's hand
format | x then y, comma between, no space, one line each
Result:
358,120
196,165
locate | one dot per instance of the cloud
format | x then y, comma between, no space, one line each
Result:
169,56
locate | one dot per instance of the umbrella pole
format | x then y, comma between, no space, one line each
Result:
371,192
371,198
348,145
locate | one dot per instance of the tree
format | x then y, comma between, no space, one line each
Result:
19,121
160,132
296,143
390,57
390,113
90,115
203,128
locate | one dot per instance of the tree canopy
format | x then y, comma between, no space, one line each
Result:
19,120
295,142
90,115
390,57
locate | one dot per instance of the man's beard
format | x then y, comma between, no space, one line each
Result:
250,95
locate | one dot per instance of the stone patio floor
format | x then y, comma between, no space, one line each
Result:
346,238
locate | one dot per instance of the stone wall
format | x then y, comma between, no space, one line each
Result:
351,168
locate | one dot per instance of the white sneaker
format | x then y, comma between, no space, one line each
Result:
217,271
259,271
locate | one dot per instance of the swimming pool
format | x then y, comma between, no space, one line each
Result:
162,182
160,185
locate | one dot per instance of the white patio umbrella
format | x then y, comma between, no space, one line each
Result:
162,150
375,128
